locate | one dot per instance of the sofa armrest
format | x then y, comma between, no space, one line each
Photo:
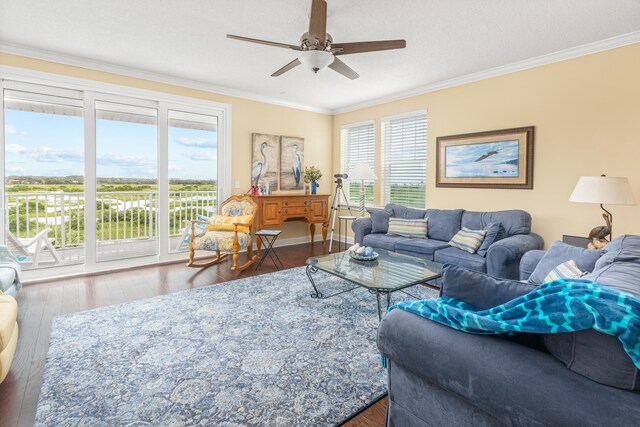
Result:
503,257
529,262
361,227
515,384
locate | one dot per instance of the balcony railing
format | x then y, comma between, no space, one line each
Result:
120,216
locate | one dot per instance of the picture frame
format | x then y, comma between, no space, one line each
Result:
265,160
492,159
291,163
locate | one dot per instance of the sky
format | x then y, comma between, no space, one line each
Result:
52,145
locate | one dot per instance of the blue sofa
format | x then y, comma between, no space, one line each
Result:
438,376
501,260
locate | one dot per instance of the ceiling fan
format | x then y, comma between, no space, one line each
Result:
318,49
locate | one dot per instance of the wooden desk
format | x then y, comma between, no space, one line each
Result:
273,211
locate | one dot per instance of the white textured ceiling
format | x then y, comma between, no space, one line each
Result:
186,39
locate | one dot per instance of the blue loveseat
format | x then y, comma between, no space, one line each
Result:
502,258
438,376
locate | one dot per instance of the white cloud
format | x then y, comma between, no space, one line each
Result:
51,155
15,148
120,160
12,130
197,142
15,170
200,155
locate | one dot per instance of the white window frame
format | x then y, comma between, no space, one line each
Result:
18,78
346,164
385,179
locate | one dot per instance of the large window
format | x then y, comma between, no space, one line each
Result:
404,160
193,172
127,179
44,175
357,145
101,179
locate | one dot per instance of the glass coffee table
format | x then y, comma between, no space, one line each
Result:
389,273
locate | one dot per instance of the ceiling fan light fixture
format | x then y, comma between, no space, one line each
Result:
316,60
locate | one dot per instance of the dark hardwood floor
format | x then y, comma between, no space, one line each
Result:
40,303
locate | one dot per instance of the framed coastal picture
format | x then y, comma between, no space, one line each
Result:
291,163
265,160
494,159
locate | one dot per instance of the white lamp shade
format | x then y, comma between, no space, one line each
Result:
362,171
316,59
606,190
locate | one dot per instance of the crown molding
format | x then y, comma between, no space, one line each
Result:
563,55
91,64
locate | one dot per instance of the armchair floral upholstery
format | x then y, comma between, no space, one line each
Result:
226,233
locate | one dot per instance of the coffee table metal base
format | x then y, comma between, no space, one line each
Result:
380,293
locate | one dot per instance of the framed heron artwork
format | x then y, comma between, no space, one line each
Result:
494,159
291,163
265,162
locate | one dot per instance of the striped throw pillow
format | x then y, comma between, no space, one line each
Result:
468,240
566,270
407,227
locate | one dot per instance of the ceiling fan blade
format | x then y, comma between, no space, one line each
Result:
286,68
275,44
318,22
361,47
344,69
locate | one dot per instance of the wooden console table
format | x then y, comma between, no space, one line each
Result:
313,209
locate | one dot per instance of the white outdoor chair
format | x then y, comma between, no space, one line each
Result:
32,247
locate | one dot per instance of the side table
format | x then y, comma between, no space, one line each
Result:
346,219
269,237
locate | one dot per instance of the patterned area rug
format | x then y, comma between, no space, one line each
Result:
255,351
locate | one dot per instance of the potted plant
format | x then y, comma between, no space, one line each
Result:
312,174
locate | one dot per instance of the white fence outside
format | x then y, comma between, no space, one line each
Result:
121,216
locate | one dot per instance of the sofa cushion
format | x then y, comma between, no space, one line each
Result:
560,252
513,221
595,355
626,241
382,241
468,240
495,232
420,246
444,224
379,220
461,258
7,277
399,211
479,289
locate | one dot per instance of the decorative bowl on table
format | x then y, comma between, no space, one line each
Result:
365,256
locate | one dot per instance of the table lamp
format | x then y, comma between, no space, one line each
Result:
362,172
603,190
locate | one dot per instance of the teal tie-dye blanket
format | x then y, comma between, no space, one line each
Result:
558,306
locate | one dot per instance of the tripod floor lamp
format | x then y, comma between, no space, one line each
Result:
362,172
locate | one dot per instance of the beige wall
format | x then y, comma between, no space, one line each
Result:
247,117
586,113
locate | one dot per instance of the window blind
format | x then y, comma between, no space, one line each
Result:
404,160
357,145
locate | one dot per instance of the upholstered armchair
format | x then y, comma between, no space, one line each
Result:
229,232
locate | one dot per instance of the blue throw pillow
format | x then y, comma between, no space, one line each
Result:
560,252
379,220
479,289
200,228
495,232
